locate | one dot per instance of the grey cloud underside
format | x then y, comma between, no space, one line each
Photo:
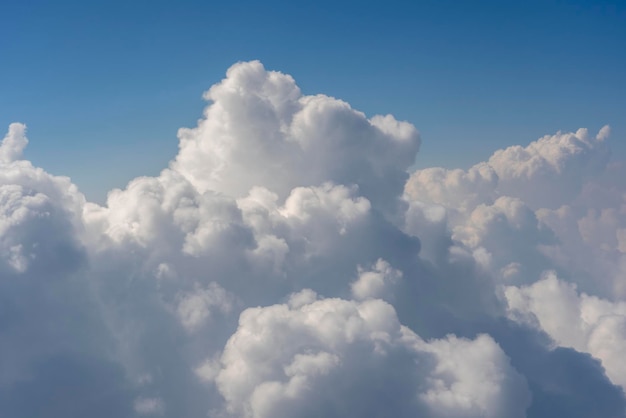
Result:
286,264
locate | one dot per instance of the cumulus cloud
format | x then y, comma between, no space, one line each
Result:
590,232
547,173
341,358
376,282
286,264
551,170
585,323
195,308
260,130
527,211
13,143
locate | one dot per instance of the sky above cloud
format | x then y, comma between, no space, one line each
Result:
288,262
98,83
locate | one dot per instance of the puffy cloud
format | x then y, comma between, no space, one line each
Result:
196,292
569,194
551,170
195,308
547,173
260,130
585,323
375,283
474,378
456,189
506,220
13,143
590,232
54,346
555,204
336,357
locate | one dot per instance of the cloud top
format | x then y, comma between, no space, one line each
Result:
13,143
260,130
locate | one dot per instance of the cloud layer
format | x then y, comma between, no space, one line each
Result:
286,264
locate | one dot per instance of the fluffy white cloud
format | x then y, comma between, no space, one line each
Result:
51,331
13,143
336,357
375,283
260,130
195,308
590,232
173,298
547,173
508,220
585,323
458,190
551,170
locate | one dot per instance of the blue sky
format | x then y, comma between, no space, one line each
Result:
104,86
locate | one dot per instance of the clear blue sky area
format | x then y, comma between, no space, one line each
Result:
104,85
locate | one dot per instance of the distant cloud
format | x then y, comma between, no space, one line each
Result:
286,264
148,406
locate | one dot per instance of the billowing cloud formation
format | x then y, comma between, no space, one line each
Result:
585,323
287,264
547,173
261,131
342,358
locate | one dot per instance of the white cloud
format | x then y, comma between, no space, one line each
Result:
551,170
590,232
474,378
547,173
13,143
260,130
375,283
196,307
585,323
336,357
268,269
